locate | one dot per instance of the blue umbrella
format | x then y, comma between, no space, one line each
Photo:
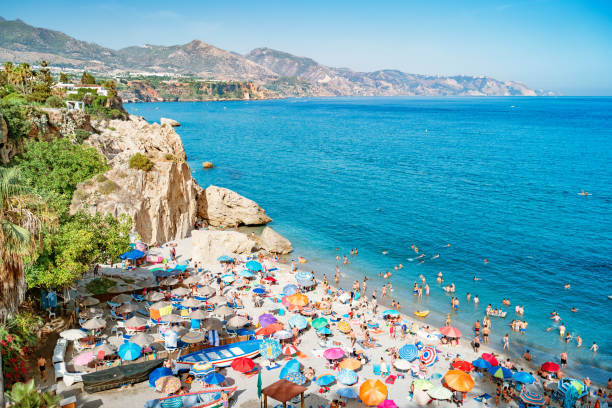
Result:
390,312
500,372
132,255
348,393
157,374
214,378
254,266
259,291
295,377
324,330
348,377
290,290
408,352
480,363
129,351
325,380
523,377
225,258
304,276
298,321
246,274
292,365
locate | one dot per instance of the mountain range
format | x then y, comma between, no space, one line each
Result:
282,73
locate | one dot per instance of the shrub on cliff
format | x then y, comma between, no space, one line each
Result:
141,162
54,102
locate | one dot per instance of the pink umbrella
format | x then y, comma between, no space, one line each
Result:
333,353
387,404
450,331
84,358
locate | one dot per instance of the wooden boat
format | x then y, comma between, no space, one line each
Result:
199,399
116,377
423,313
222,356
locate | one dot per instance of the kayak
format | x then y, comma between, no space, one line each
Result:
424,313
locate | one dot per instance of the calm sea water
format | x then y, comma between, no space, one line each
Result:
497,178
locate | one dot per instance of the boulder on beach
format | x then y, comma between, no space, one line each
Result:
208,245
169,122
274,242
222,207
207,165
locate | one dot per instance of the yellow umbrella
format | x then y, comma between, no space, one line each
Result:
298,299
344,326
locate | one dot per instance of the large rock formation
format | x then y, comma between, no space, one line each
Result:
208,245
274,242
169,122
223,207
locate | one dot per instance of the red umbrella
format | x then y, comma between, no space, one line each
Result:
463,365
270,329
450,331
490,358
243,364
550,367
270,279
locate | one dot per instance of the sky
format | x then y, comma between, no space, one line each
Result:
559,45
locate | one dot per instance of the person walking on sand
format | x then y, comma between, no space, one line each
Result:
507,342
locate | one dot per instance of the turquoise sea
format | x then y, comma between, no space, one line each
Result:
497,178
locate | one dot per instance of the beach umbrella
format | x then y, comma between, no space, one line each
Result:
440,393
84,358
269,330
347,377
259,291
154,296
567,384
218,299
550,367
325,380
270,279
422,384
270,348
201,369
298,299
450,331
408,352
348,393
266,319
387,404
132,255
420,398
89,301
229,278
181,292
402,364
254,266
104,350
191,303
94,324
192,280
169,282
289,350
283,335
129,351
523,377
157,374
161,305
350,364
333,353
171,318
290,366
428,356
243,365
490,358
500,372
290,289
298,321
127,308
192,337
295,377
142,339
246,274
198,314
390,312
211,323
73,334
319,322
225,258
214,378
224,310
463,365
372,392
532,398
304,276
480,363
324,331
206,291
135,322
168,384
122,298
237,321
459,380
344,326
343,298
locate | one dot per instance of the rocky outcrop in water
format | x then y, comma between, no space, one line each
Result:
223,207
169,122
274,242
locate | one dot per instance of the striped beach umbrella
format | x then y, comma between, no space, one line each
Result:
408,352
290,289
201,369
428,356
270,348
532,398
344,326
304,276
298,321
295,377
347,377
290,350
500,372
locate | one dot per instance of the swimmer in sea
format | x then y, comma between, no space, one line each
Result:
574,310
567,286
476,278
435,256
578,340
380,274
400,266
486,261
440,274
476,300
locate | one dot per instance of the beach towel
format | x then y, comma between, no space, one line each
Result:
391,379
213,338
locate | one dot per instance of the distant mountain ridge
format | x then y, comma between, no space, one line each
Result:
281,72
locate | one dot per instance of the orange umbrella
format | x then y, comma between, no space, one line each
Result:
350,364
298,299
270,329
459,380
372,392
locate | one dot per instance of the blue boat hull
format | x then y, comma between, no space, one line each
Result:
222,356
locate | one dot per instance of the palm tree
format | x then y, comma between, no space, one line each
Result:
22,215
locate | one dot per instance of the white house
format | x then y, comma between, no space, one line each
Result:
72,89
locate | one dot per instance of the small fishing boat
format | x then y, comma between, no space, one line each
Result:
116,377
199,399
222,356
423,313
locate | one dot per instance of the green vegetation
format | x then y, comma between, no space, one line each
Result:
100,286
87,79
141,162
108,187
17,337
27,395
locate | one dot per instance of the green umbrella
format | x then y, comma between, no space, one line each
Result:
422,384
320,322
440,393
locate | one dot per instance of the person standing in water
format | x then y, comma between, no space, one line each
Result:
507,342
563,357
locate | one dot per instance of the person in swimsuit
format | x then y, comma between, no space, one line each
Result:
42,366
476,344
485,334
563,357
